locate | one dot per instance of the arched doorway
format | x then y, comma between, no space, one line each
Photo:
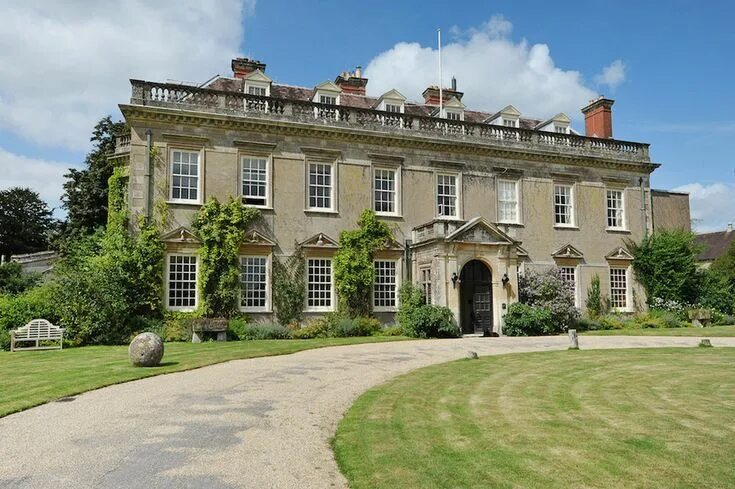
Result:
476,298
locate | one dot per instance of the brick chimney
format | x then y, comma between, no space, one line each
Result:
241,67
352,83
598,118
431,94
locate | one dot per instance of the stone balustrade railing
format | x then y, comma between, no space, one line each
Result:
237,103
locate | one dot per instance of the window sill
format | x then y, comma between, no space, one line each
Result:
184,202
388,215
319,311
181,309
388,309
626,310
618,230
513,224
566,226
321,211
448,218
259,207
256,311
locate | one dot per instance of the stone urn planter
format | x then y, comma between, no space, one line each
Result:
216,326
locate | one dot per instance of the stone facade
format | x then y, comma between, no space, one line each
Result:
461,169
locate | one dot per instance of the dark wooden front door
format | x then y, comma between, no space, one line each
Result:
476,306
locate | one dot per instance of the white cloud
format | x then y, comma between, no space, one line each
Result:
612,75
491,69
44,177
712,206
64,65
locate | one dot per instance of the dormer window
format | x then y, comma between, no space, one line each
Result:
562,130
454,116
558,124
256,83
510,123
393,108
327,99
260,91
508,117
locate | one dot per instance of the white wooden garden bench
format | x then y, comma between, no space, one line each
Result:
37,331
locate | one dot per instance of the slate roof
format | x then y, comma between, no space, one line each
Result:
358,101
715,244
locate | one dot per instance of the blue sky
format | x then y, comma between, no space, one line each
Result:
669,69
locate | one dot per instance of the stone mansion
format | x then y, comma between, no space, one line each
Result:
473,198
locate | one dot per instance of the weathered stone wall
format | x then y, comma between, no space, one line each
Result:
288,223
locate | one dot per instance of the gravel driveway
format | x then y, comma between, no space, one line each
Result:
259,423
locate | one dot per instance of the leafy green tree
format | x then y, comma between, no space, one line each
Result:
85,191
25,222
221,228
594,302
14,281
354,271
725,265
665,264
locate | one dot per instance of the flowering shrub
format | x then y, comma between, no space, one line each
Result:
525,320
551,291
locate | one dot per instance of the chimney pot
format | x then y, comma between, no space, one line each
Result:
352,83
729,227
454,84
241,67
598,118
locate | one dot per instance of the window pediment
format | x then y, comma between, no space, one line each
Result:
320,240
256,238
568,251
180,235
619,253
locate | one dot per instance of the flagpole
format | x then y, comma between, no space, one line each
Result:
441,92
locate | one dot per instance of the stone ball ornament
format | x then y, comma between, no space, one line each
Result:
146,350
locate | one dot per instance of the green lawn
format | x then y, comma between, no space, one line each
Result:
35,377
713,331
655,418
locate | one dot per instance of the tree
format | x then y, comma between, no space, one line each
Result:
25,222
85,191
725,264
665,264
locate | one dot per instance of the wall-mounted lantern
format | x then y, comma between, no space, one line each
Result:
505,279
455,280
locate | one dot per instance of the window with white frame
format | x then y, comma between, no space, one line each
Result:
254,181
569,274
327,99
253,283
446,195
563,205
182,282
454,116
319,284
261,91
392,108
509,123
185,176
508,201
385,183
619,288
425,283
321,186
385,285
615,209
561,130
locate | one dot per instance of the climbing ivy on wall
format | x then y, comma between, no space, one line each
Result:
354,272
221,228
289,288
117,200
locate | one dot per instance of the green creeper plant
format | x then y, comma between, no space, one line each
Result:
289,288
354,271
221,229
